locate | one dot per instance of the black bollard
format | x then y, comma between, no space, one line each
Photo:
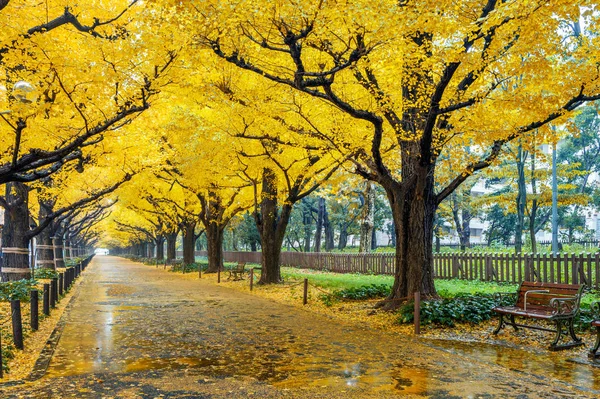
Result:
34,306
17,323
53,292
46,301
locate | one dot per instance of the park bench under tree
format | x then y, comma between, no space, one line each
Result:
237,272
557,303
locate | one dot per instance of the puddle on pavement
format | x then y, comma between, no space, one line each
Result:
574,370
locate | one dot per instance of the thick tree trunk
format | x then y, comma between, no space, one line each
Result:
171,246
214,238
189,241
320,222
160,248
15,240
271,226
44,247
413,210
343,240
373,239
368,219
150,247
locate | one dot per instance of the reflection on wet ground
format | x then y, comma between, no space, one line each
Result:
137,322
575,370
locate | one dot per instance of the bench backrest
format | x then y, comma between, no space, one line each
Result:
240,266
542,300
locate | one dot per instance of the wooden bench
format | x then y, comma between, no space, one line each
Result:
596,323
237,272
557,303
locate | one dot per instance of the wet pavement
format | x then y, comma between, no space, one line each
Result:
140,332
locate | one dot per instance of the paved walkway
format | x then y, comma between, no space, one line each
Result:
140,332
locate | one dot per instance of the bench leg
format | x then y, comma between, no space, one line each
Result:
513,323
568,326
574,337
500,324
594,350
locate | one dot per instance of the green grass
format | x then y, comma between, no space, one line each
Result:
334,280
445,288
455,287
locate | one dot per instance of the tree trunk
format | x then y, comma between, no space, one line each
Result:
160,248
368,219
329,244
343,241
534,206
15,240
271,227
68,249
373,240
521,200
44,247
320,222
413,210
171,246
253,246
214,238
307,218
462,218
150,247
189,241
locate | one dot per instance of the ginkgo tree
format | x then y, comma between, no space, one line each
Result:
278,151
70,100
422,81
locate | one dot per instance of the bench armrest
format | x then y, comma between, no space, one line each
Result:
564,306
498,296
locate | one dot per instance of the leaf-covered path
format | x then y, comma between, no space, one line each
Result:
137,331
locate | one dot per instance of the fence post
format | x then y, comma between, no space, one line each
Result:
417,313
34,307
46,303
305,298
17,323
219,275
251,278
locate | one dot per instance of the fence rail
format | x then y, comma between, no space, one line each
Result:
499,267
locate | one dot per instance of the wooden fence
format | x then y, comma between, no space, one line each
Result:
562,268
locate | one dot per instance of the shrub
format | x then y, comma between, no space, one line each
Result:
356,293
188,268
46,273
466,308
13,290
365,292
